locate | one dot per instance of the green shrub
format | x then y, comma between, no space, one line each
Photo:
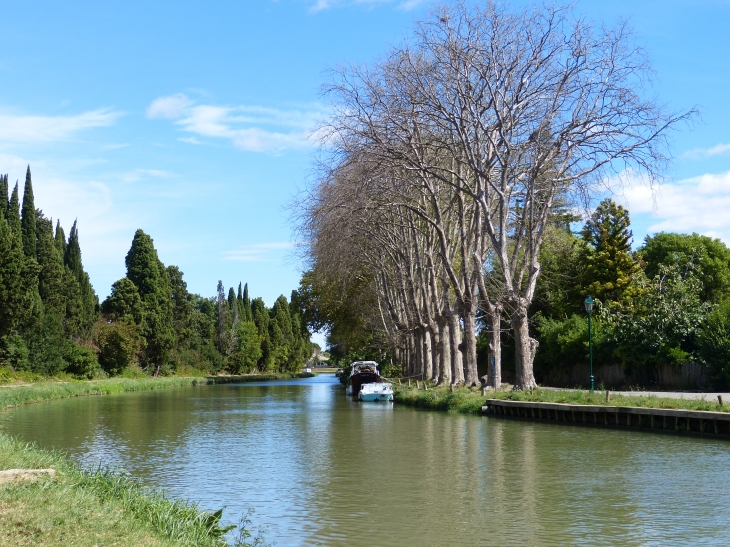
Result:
713,342
119,343
81,362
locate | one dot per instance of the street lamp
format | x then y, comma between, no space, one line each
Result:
589,308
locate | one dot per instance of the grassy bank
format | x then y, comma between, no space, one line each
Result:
11,396
468,401
80,508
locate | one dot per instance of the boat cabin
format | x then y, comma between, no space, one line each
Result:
363,372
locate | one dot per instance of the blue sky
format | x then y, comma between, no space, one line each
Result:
190,120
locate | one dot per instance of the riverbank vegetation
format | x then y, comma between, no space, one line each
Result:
52,323
466,400
11,396
445,230
64,505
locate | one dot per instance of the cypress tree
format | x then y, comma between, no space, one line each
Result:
72,256
233,306
247,311
89,300
28,219
182,307
13,215
51,276
149,275
18,281
4,196
124,302
222,319
239,301
60,239
261,319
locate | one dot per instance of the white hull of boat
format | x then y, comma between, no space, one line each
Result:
375,392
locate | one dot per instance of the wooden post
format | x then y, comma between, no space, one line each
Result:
451,388
608,395
418,386
409,382
399,383
425,385
484,390
530,390
719,399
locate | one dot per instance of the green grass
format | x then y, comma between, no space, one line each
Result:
92,508
468,401
11,396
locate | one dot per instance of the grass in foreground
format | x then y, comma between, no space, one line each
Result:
82,508
469,401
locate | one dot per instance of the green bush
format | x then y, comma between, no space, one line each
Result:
81,362
14,352
119,343
563,343
713,342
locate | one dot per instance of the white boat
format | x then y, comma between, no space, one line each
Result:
361,373
376,391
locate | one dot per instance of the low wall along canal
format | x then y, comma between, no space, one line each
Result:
697,422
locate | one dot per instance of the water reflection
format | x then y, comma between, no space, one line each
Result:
321,469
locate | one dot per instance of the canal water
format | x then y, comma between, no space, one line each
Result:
320,469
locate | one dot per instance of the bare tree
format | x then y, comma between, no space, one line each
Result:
512,109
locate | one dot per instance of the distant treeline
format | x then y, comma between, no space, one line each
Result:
51,320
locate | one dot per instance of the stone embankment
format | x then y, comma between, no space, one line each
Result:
695,422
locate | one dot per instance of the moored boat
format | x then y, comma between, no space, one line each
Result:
361,373
376,391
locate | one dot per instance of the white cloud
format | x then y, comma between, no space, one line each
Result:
702,153
259,252
170,108
248,127
698,204
405,5
21,128
139,174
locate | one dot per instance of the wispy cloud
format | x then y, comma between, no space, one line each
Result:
258,252
31,129
171,107
249,127
698,204
702,153
405,5
139,174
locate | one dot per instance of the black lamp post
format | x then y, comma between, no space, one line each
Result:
589,308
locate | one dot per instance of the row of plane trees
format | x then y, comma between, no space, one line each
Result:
447,164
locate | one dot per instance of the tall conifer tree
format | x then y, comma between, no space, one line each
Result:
4,195
608,265
18,280
13,215
60,238
247,312
149,275
28,218
89,300
51,276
